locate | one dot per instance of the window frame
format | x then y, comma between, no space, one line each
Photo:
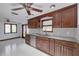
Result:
47,25
10,28
5,28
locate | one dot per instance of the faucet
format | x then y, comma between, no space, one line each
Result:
46,32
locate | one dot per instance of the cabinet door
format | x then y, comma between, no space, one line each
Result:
69,17
34,23
29,23
52,47
58,50
67,51
57,20
76,50
38,23
43,44
58,47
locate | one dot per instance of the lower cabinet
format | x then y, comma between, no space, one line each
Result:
52,46
58,50
33,41
67,51
27,39
64,48
42,43
76,50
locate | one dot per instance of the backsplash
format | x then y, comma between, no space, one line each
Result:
66,32
77,36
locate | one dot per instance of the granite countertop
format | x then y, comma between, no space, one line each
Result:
73,39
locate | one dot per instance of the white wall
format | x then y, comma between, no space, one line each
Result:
6,36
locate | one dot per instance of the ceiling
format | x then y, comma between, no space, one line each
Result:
5,11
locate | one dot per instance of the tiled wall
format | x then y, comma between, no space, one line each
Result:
66,32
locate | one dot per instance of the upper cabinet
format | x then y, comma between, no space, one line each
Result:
62,18
57,20
69,17
34,23
66,17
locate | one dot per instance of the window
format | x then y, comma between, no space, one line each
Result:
10,28
47,25
14,28
7,28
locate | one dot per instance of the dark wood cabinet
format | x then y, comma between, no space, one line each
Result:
58,48
76,50
57,23
64,48
55,47
62,18
67,51
42,43
66,17
29,23
34,23
52,46
69,17
68,48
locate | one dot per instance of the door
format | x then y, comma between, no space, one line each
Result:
24,30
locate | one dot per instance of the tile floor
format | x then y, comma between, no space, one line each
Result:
17,47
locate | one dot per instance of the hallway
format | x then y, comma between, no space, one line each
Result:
17,47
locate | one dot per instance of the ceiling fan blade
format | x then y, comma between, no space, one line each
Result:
35,9
28,11
29,4
14,13
26,8
15,9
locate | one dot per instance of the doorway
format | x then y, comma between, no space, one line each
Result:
24,26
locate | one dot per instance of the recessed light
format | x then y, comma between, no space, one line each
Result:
52,6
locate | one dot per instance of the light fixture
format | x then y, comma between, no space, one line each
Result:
52,6
7,19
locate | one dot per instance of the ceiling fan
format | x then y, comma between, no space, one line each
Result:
14,13
27,7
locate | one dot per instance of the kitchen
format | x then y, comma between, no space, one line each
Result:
39,29
55,33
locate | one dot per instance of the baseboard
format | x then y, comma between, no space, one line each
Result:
10,38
